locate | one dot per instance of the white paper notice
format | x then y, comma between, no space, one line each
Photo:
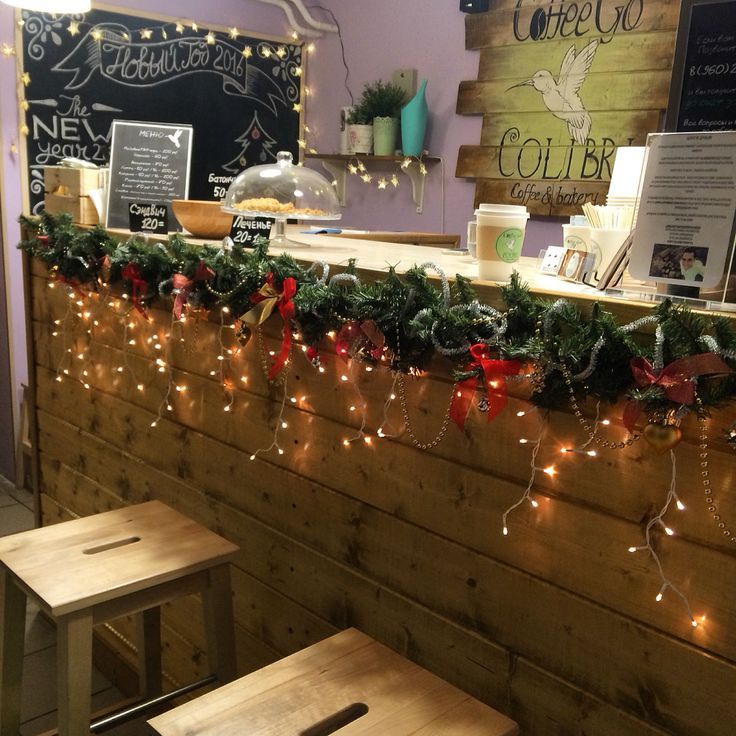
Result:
686,215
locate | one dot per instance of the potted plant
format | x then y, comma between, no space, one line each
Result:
360,129
381,104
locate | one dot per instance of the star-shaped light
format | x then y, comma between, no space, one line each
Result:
233,33
13,148
382,183
21,23
24,129
297,107
310,48
352,168
24,104
146,33
265,52
126,36
295,35
298,71
25,78
301,143
311,150
406,163
422,168
164,35
179,28
73,28
7,50
361,166
394,181
367,178
97,34
281,52
306,129
210,38
247,52
195,27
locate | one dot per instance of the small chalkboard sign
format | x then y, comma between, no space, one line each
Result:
149,163
703,88
245,229
144,217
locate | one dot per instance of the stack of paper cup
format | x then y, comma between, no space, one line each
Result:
499,238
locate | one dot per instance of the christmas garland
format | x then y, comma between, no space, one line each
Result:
407,321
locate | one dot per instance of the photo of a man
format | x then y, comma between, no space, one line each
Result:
691,267
684,262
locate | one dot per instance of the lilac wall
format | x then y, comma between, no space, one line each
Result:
381,36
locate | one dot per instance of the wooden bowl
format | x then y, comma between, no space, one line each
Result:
202,219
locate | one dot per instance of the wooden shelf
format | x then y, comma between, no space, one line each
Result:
336,165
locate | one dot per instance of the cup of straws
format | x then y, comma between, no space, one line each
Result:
610,225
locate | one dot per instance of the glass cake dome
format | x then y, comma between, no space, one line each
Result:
282,190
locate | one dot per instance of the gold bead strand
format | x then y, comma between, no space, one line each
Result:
705,474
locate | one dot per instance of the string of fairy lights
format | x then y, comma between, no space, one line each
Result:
83,315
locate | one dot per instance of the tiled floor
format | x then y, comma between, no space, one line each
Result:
39,664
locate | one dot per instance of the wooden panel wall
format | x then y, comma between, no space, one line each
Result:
527,154
556,624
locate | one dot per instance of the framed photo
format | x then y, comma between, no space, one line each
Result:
682,262
576,265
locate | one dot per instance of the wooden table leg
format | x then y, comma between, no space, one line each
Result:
149,652
219,624
12,636
74,672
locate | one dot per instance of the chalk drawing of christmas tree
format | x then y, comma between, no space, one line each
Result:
256,147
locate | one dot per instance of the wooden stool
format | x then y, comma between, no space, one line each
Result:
347,684
94,569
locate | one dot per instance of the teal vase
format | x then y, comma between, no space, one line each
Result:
414,123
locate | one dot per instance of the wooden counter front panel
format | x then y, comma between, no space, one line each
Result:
555,624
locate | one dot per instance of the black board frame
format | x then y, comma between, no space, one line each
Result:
684,24
159,19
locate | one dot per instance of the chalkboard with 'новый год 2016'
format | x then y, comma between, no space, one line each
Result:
86,70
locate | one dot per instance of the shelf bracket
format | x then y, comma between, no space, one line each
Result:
337,171
417,184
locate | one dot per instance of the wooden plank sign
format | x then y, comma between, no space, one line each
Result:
561,85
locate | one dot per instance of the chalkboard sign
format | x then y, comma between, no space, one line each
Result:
240,94
244,229
148,218
149,163
703,89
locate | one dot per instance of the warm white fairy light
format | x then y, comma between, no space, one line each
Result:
163,367
279,426
658,520
526,496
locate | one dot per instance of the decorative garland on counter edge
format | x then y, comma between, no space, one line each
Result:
405,322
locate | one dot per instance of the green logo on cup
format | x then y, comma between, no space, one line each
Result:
508,244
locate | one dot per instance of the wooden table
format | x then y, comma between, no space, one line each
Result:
347,684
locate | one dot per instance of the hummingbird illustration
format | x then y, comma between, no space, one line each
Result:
561,97
175,137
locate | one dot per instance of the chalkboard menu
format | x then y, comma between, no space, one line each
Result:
238,93
149,165
703,89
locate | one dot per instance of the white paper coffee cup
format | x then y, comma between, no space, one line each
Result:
499,238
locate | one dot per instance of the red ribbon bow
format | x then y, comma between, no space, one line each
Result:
494,377
675,380
184,286
138,285
285,306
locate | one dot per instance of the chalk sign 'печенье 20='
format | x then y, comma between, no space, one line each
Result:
149,164
560,86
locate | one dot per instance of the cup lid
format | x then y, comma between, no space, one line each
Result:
505,208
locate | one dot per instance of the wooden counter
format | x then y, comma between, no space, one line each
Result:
555,624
